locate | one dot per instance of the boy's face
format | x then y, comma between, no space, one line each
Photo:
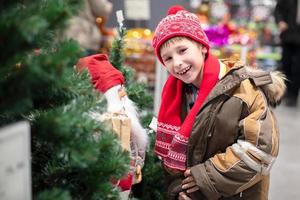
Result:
184,59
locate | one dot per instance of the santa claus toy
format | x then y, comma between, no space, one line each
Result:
121,113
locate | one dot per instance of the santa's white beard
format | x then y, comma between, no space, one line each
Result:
115,104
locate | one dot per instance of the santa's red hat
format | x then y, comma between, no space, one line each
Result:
104,75
178,22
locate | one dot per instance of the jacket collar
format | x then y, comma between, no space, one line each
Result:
232,73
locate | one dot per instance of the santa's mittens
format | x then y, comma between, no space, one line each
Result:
104,75
126,182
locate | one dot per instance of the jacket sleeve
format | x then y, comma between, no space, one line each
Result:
249,159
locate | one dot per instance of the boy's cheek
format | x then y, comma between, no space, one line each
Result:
170,68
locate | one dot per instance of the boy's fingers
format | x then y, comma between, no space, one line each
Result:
188,185
183,196
180,196
194,189
187,180
187,172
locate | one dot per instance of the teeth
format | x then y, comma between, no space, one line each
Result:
184,70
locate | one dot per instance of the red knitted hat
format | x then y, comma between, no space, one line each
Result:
178,22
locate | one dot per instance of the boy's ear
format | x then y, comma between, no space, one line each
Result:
204,50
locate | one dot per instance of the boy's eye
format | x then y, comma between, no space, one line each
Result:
167,59
182,50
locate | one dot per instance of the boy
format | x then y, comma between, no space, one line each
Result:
216,135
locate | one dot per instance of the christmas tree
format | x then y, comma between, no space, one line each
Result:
73,155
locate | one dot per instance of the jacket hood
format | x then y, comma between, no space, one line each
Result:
275,90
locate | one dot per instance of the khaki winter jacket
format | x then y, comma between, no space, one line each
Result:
235,137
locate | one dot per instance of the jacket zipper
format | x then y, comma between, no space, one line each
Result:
208,130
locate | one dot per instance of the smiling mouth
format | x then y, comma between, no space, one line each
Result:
185,70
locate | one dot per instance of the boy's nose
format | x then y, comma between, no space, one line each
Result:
177,62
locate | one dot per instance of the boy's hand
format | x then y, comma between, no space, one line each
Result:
189,183
183,196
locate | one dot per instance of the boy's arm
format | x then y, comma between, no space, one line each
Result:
244,163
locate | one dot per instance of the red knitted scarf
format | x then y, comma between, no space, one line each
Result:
173,134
